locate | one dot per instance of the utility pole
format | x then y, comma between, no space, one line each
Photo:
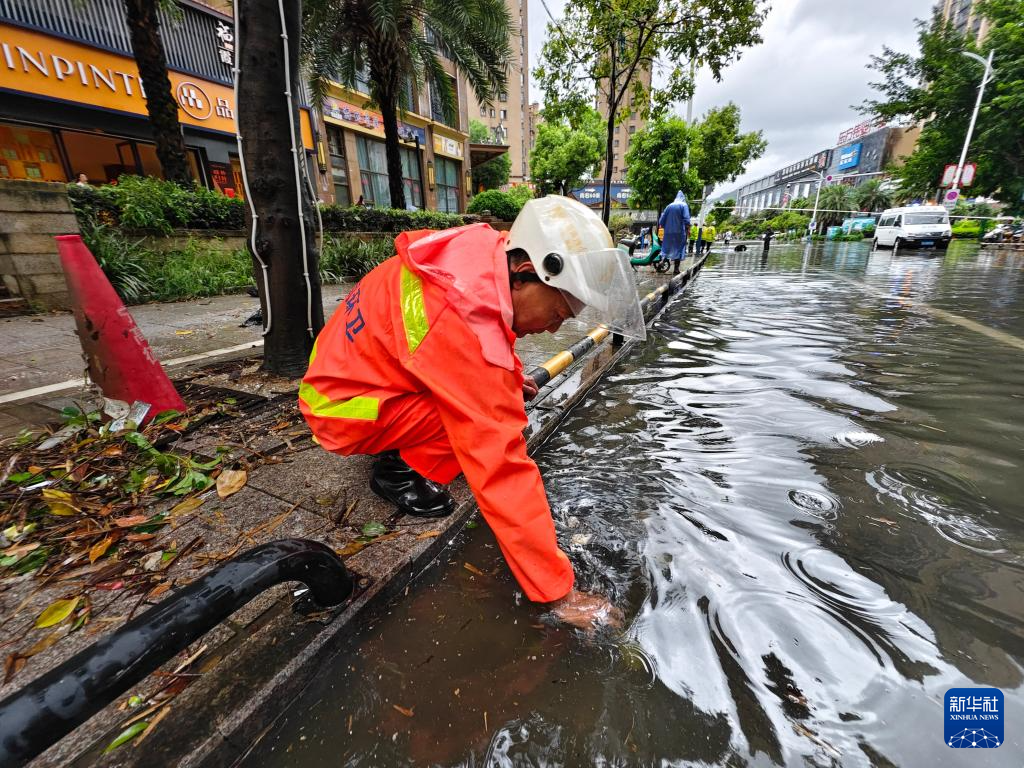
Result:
985,78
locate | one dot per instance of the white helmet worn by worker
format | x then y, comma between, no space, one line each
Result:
572,250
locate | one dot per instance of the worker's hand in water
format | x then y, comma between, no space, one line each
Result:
530,388
587,611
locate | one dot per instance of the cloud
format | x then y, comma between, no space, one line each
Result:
800,85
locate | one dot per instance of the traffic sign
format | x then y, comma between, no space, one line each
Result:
967,175
950,198
947,176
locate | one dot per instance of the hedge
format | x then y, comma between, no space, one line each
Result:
138,203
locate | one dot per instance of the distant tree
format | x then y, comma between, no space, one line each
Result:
600,48
939,85
400,42
871,196
495,172
836,203
161,105
722,212
563,156
715,148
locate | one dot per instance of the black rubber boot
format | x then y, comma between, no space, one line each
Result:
395,481
675,267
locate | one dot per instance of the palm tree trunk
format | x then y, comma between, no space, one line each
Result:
284,220
148,49
389,111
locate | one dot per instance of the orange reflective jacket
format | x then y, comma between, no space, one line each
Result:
434,322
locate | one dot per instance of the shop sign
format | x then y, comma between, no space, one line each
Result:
860,129
338,111
849,157
593,194
226,43
39,65
447,146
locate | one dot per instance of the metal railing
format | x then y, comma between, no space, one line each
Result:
57,702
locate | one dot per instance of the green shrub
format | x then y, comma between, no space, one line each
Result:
356,219
967,229
502,205
619,225
521,193
343,257
118,257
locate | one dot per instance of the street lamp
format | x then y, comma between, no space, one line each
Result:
989,74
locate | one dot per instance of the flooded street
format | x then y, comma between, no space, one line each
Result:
805,493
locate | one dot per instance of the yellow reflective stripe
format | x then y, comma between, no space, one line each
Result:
363,408
414,310
312,355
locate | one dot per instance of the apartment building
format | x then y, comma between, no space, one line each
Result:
508,116
965,17
625,131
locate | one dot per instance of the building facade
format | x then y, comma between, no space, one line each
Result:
71,102
625,131
965,17
508,116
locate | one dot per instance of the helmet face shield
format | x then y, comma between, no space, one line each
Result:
572,250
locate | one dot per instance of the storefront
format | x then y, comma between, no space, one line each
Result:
69,108
449,156
355,138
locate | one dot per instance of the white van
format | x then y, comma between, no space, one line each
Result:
913,226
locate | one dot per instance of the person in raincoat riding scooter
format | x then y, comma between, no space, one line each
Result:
418,367
676,221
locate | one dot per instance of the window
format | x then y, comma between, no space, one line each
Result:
616,142
503,96
339,166
492,113
632,129
927,218
437,113
898,222
483,111
503,113
373,173
448,174
31,153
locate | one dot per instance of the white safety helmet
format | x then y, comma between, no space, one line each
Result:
572,250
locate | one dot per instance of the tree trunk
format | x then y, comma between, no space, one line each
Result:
609,149
161,105
290,295
389,111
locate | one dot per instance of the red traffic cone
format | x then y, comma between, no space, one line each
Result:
120,361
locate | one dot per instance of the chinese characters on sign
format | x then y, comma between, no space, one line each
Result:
973,718
860,129
226,44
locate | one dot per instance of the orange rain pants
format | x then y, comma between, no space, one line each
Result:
400,367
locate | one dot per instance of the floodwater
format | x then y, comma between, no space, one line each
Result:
805,492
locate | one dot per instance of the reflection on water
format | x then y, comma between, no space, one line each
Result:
806,495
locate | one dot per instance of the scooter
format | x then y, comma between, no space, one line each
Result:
652,259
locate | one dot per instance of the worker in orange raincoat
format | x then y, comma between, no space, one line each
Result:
418,367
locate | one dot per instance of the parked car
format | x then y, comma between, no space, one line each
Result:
916,226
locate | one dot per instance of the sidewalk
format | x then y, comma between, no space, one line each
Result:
217,694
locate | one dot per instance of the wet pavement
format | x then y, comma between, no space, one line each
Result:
804,491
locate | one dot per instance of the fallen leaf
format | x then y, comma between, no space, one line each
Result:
126,735
883,520
183,333
402,710
43,644
60,502
13,665
473,569
151,562
152,725
140,536
429,535
373,528
57,612
231,481
19,549
158,590
100,548
111,451
128,522
355,547
188,505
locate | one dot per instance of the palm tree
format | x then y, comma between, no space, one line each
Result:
398,42
835,204
148,50
872,197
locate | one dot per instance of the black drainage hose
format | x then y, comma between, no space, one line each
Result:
54,704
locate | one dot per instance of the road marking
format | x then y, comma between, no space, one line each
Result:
972,325
73,383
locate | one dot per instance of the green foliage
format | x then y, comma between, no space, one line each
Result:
502,205
355,219
835,203
479,133
620,225
521,193
492,174
871,197
939,85
347,257
717,152
788,220
967,229
150,204
721,213
563,155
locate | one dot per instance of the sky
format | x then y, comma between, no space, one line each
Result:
799,84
